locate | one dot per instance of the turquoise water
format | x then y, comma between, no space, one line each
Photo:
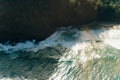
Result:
68,54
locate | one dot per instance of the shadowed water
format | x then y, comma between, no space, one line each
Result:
68,54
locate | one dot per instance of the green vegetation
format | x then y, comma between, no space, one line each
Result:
109,10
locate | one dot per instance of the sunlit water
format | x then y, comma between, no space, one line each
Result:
85,55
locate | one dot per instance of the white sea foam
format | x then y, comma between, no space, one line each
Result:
108,36
19,46
112,38
82,48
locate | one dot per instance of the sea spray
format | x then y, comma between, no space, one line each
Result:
91,57
68,54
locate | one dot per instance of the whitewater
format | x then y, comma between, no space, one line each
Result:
68,54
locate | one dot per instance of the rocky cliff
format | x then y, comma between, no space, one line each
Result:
37,19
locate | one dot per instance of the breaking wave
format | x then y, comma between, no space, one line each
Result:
80,54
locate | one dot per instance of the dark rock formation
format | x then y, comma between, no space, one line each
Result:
37,19
109,10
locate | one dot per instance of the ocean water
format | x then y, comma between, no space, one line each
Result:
68,54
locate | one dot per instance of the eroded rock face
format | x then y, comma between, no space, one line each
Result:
38,19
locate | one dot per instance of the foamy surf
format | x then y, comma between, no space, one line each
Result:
68,37
80,55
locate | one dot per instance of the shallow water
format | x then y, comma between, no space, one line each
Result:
68,54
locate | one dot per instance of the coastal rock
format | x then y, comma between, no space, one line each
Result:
37,19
